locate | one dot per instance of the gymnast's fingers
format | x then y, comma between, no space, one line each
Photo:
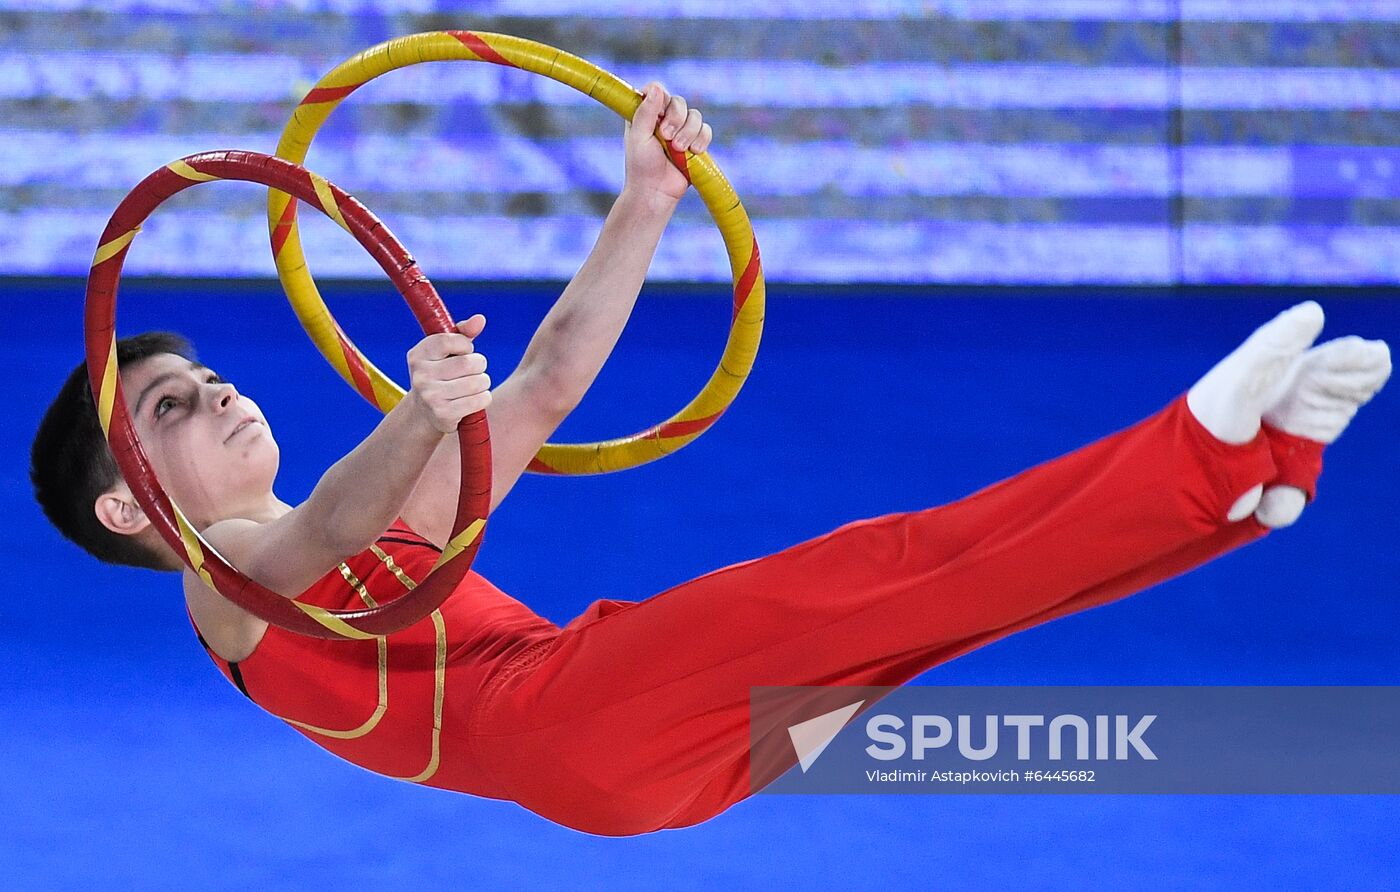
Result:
459,366
448,393
436,347
674,119
685,137
702,142
448,389
469,405
644,120
472,326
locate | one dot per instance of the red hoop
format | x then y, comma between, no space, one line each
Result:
100,333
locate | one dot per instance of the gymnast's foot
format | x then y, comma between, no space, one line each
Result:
1319,395
1230,400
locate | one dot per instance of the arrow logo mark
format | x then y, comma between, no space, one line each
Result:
811,737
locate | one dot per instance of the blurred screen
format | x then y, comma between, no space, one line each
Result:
912,141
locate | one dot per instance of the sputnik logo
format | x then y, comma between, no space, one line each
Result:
811,737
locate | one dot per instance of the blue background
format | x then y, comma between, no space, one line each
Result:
882,147
1135,142
134,763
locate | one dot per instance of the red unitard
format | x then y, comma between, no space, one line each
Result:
634,716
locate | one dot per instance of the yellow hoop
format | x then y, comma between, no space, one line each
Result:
719,197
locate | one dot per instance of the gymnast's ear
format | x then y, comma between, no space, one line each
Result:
118,511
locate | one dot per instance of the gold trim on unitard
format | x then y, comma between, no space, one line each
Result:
439,672
383,645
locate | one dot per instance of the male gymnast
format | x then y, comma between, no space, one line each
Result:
633,716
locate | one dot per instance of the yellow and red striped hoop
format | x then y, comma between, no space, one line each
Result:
103,375
746,325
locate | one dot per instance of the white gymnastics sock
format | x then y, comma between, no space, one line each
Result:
1230,399
1319,396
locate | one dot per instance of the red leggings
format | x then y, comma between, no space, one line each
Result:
635,716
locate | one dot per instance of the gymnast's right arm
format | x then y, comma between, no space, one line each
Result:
359,497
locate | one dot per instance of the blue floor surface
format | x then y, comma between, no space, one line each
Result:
133,764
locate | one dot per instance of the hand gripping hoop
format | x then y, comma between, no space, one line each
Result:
100,333
724,206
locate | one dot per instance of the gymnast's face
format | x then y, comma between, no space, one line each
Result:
210,445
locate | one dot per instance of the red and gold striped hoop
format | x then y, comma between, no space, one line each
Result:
101,344
746,324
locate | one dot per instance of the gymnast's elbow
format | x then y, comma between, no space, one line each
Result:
550,395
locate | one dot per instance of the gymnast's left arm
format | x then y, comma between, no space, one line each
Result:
582,328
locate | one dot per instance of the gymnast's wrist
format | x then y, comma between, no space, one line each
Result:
420,423
646,201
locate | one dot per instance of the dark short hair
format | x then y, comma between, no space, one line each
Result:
70,463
